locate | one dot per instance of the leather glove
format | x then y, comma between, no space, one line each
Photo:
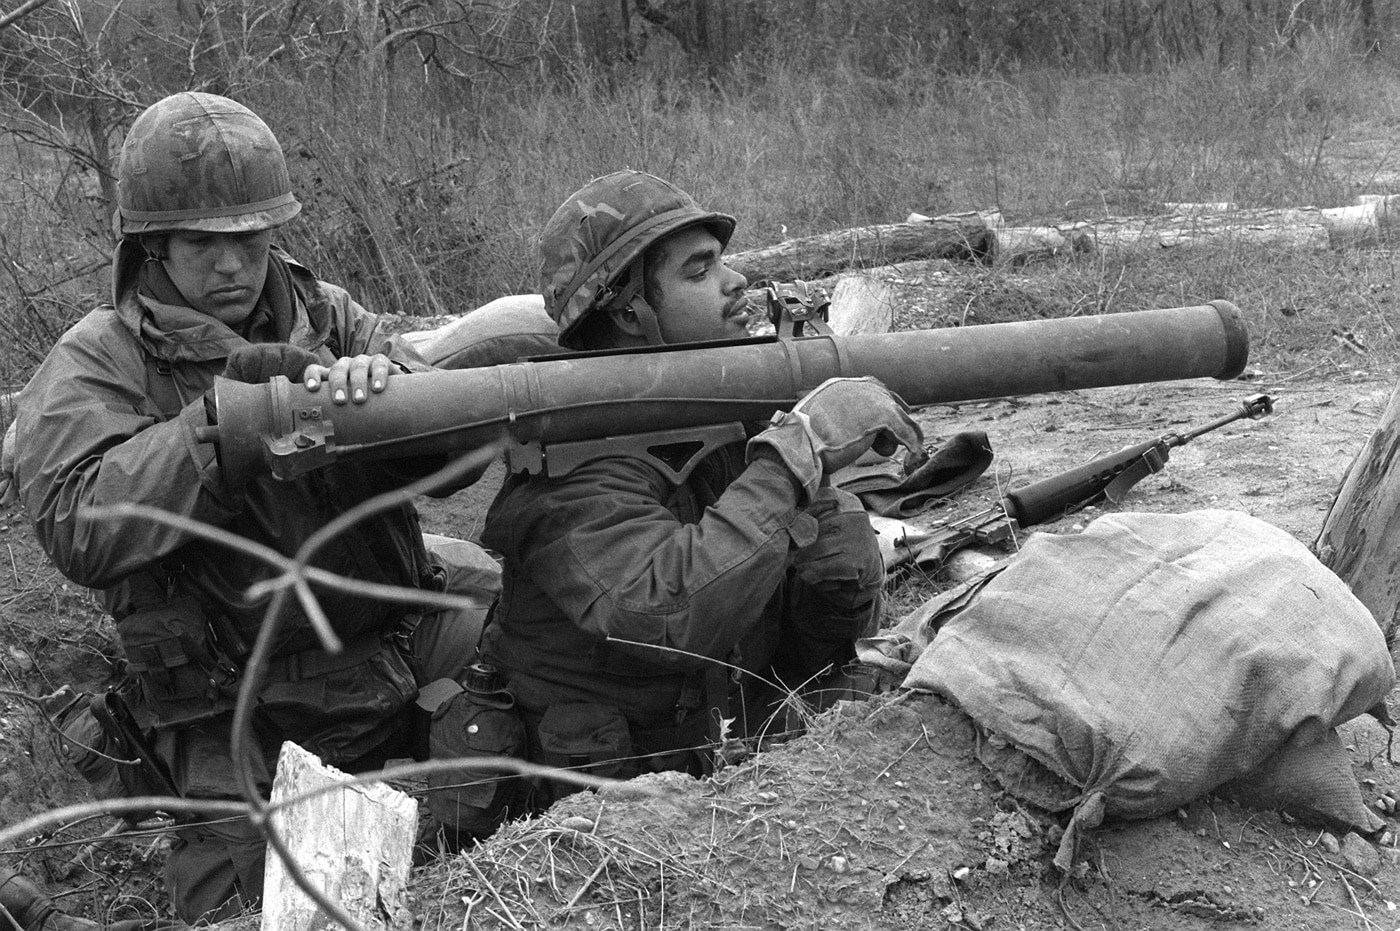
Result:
846,554
259,362
834,425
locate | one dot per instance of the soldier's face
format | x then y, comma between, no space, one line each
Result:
220,274
700,298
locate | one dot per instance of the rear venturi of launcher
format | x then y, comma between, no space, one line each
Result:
548,409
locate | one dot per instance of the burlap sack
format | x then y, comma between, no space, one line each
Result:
500,332
1155,657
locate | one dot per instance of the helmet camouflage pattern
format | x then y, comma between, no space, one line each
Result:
202,162
605,226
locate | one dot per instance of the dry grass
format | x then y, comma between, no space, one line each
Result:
439,214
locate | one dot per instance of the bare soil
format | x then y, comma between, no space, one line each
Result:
880,816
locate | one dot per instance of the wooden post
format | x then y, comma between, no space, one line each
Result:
354,844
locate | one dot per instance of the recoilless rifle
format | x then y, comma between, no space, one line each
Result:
672,405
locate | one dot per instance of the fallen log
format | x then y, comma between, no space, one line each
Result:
963,236
1021,244
1308,228
1217,206
1018,245
1216,231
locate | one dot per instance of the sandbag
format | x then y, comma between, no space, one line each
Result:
503,331
9,489
1155,657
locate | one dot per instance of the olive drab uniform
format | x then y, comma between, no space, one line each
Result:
642,621
624,594
111,416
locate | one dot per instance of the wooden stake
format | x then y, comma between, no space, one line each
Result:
861,304
355,844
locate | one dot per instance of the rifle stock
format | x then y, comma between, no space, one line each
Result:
1108,476
556,400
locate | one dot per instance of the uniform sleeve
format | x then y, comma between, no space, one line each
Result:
836,588
363,332
88,436
606,550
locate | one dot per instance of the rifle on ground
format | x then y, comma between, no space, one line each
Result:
1106,478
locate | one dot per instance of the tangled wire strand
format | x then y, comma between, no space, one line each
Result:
295,578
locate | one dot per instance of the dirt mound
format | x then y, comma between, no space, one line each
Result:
882,818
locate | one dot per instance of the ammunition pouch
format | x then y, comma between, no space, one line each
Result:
472,803
585,737
681,747
183,677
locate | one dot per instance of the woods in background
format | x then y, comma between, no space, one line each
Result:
432,138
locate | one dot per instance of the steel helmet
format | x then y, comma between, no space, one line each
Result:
594,237
202,162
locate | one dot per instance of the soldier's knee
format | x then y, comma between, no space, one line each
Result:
215,871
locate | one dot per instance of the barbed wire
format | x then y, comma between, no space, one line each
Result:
294,580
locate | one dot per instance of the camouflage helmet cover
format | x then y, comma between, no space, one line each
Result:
595,235
202,162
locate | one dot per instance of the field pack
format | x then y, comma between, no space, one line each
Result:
1154,658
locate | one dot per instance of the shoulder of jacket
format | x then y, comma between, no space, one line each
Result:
297,268
102,322
312,289
606,476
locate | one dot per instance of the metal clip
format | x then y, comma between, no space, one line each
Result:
798,308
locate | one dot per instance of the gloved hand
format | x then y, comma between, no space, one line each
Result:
846,555
834,425
258,362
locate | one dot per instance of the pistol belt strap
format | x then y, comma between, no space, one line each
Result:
316,662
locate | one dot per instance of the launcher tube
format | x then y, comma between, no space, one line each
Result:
594,395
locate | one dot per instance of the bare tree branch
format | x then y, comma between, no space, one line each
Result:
29,6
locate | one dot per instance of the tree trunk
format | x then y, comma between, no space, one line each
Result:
1360,537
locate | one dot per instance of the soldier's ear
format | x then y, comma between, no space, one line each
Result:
157,245
625,319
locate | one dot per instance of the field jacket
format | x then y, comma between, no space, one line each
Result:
110,417
618,586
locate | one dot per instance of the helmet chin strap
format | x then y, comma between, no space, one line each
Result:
647,318
631,298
